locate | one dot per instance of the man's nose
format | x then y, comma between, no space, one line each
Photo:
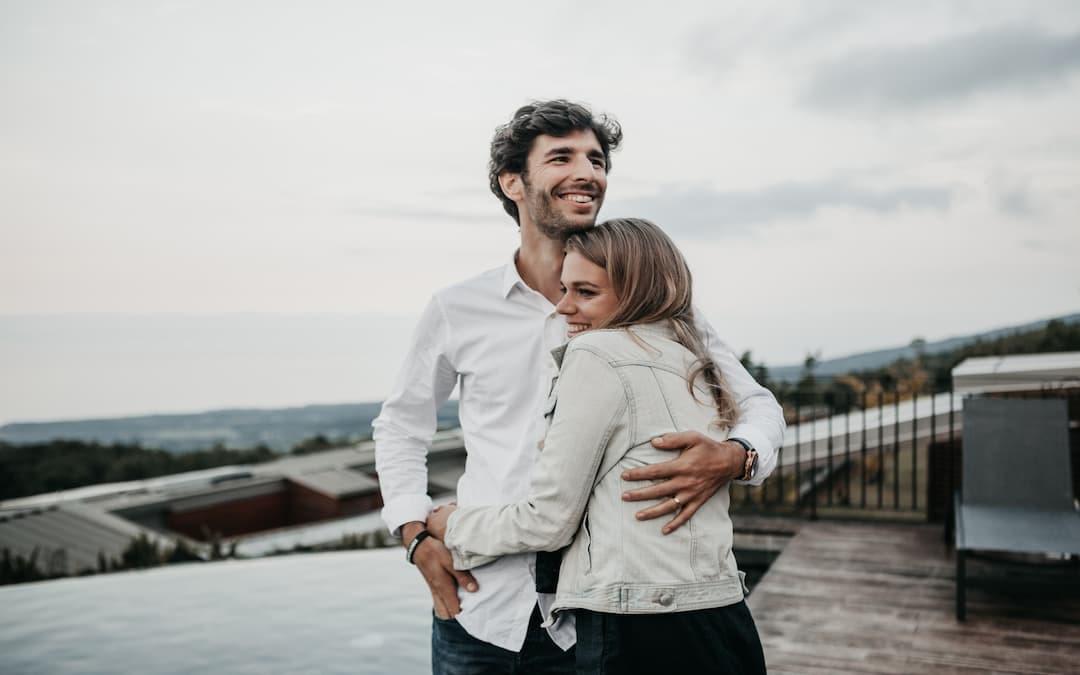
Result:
584,169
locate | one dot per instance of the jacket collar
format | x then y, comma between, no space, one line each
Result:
659,329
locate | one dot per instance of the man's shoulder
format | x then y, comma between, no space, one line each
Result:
488,282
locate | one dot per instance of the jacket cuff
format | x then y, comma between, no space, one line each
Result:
462,561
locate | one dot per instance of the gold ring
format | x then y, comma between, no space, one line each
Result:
678,504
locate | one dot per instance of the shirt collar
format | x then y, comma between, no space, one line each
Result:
510,277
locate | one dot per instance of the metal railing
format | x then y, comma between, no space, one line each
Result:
891,454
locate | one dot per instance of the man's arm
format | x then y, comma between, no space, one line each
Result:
403,433
704,465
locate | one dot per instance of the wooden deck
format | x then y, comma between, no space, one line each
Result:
879,598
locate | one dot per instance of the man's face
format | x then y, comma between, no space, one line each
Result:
564,183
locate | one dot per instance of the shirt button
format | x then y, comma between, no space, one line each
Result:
665,599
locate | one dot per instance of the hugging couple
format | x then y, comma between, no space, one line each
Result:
588,384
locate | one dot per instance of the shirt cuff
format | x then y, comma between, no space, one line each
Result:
405,509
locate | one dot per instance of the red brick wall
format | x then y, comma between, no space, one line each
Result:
293,505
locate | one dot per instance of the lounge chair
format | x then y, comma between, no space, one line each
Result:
1017,493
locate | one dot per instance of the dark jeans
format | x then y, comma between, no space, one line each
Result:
719,640
455,652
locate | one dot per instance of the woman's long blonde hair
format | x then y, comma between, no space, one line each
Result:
652,281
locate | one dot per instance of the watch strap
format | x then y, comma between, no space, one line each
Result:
751,458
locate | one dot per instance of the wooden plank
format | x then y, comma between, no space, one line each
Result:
878,598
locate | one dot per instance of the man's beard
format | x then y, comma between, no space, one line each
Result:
548,219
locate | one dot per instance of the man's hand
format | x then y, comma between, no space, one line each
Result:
434,562
692,478
437,519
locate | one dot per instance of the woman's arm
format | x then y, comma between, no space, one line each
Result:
591,407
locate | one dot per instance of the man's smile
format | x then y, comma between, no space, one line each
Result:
577,197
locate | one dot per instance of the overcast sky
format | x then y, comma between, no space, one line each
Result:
841,175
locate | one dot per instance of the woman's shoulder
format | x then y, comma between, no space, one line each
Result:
604,341
626,344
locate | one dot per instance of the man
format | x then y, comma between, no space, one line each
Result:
492,336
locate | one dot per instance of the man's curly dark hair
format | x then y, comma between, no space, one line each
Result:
512,141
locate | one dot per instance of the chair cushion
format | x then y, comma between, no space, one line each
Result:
989,528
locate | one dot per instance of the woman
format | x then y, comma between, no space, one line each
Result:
635,368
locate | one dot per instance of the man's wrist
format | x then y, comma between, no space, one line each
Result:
748,463
417,541
410,530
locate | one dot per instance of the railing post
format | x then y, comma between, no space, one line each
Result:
847,446
930,449
914,450
828,396
896,447
881,449
862,455
780,466
798,445
813,459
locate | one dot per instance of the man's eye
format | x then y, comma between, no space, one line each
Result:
598,163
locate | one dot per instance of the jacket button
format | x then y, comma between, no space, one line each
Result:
665,599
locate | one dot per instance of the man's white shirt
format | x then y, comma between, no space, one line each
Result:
492,336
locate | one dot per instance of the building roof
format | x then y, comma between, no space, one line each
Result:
337,483
68,537
1018,372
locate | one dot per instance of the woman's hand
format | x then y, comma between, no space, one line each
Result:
436,522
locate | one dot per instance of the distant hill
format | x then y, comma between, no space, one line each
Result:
883,357
279,429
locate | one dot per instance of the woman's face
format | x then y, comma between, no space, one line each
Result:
588,298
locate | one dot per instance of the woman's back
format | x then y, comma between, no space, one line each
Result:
617,563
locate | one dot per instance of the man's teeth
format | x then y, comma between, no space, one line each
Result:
580,199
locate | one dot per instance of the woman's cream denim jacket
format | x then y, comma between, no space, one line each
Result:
615,391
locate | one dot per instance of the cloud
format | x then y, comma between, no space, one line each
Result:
716,213
495,215
947,69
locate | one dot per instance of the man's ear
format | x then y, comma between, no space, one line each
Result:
511,185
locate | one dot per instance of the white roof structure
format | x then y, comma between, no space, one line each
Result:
925,419
1019,372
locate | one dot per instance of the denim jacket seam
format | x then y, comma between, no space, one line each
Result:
599,451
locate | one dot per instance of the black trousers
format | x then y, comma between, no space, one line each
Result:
718,640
